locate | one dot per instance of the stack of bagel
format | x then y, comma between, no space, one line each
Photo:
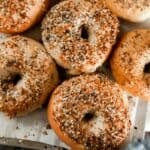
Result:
87,108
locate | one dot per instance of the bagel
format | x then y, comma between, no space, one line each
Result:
79,35
19,15
27,75
130,63
134,11
89,112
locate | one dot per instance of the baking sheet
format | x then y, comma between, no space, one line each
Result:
147,124
33,131
33,127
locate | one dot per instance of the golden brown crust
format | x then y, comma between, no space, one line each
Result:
79,34
135,11
129,60
74,100
17,16
64,137
27,75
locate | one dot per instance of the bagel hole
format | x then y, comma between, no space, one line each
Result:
147,68
84,32
15,78
88,116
